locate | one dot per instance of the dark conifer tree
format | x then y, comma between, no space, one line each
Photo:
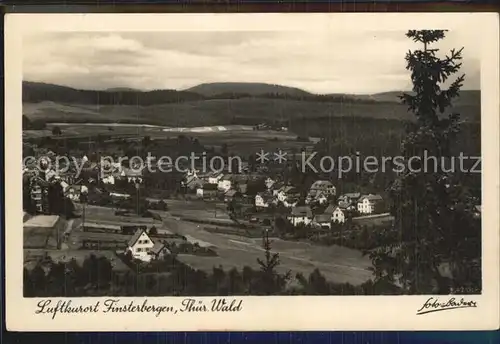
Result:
434,212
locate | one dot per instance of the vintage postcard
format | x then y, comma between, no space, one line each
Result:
252,172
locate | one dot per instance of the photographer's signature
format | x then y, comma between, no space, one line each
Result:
435,305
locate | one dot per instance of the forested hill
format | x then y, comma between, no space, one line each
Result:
34,92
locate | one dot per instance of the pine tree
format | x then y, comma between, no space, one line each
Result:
434,213
272,282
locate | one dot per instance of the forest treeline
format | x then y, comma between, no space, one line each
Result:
37,92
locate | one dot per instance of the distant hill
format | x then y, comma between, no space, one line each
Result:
53,103
248,88
34,92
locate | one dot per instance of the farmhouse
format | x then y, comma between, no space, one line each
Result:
338,215
140,245
300,215
369,204
158,251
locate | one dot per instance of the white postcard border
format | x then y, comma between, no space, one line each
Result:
258,313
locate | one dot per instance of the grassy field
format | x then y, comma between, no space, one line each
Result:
223,111
238,141
338,264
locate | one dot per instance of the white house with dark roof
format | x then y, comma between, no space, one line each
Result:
338,215
140,244
369,204
300,215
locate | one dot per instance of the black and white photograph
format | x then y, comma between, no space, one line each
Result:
313,161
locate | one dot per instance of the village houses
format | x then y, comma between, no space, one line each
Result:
300,215
349,200
159,251
337,214
231,181
320,191
370,204
192,181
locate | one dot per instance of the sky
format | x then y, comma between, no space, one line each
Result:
320,62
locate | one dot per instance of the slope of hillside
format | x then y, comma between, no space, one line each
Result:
52,103
248,111
34,92
249,88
